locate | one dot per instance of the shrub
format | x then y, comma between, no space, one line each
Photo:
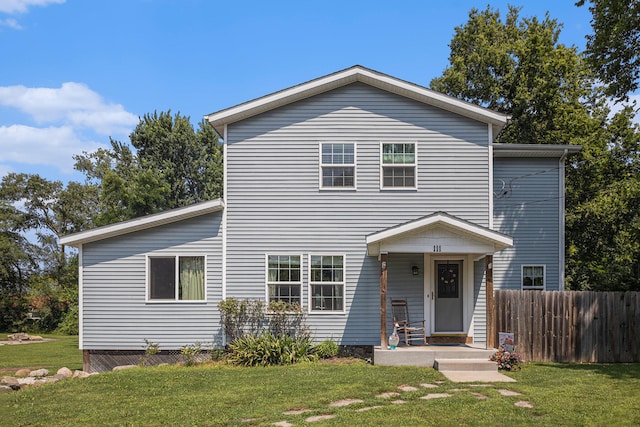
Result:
326,349
239,317
150,348
507,360
69,324
286,319
191,352
268,349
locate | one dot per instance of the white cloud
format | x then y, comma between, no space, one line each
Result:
54,146
21,6
11,23
72,104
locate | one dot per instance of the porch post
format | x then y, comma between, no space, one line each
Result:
491,332
383,301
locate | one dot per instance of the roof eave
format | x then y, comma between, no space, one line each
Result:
142,223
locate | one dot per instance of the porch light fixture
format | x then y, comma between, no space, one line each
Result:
415,270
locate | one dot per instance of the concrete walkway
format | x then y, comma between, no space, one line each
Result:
477,376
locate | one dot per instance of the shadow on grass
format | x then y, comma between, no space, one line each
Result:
617,371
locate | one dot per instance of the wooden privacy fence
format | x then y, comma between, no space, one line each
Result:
570,326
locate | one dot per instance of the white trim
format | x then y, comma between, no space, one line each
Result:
561,225
499,240
490,153
142,223
544,277
80,298
354,165
266,275
224,217
176,257
466,288
354,74
404,165
343,283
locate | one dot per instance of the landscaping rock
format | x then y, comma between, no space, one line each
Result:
65,371
57,377
20,336
80,374
27,381
5,389
21,373
35,338
122,367
10,382
39,373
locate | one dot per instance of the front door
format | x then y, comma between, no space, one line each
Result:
448,296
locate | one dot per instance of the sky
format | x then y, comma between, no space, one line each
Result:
74,73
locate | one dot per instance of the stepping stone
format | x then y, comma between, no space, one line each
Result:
523,404
283,424
368,408
319,418
250,420
405,387
458,389
345,402
429,385
398,402
479,396
479,385
435,396
388,395
296,411
509,393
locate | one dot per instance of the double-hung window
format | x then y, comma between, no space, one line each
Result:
533,277
338,165
398,165
176,278
326,282
284,281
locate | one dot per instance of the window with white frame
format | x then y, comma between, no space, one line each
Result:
284,281
338,165
533,277
398,165
326,282
176,278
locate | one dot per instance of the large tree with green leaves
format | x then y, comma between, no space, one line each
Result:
517,66
613,50
167,165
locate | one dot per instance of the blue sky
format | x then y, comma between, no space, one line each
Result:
74,72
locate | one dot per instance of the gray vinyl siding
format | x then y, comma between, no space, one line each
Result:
404,285
274,204
479,303
529,212
116,315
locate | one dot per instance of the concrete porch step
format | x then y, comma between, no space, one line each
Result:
477,365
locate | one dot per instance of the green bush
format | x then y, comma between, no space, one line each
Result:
69,324
268,349
191,352
239,317
326,349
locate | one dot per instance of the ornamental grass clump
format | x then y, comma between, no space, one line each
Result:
268,349
507,360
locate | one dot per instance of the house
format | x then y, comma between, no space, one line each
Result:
340,193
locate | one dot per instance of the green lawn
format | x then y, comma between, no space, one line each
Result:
221,395
53,355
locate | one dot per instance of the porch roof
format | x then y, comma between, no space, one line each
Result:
437,233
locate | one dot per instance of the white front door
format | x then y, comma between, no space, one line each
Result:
448,298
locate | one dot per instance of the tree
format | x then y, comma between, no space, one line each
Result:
613,50
518,67
168,165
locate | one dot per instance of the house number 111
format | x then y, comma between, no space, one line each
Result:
437,248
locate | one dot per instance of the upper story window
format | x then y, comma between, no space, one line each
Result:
176,278
338,165
284,281
398,165
533,277
327,283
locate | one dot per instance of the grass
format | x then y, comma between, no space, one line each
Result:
52,355
222,395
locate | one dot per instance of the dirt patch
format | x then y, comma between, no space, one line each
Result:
26,341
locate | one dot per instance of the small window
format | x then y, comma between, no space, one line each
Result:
533,277
185,271
399,165
284,279
327,283
338,166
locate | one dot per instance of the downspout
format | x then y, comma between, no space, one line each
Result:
561,219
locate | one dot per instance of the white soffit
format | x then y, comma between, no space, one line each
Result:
142,223
439,219
354,74
533,150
